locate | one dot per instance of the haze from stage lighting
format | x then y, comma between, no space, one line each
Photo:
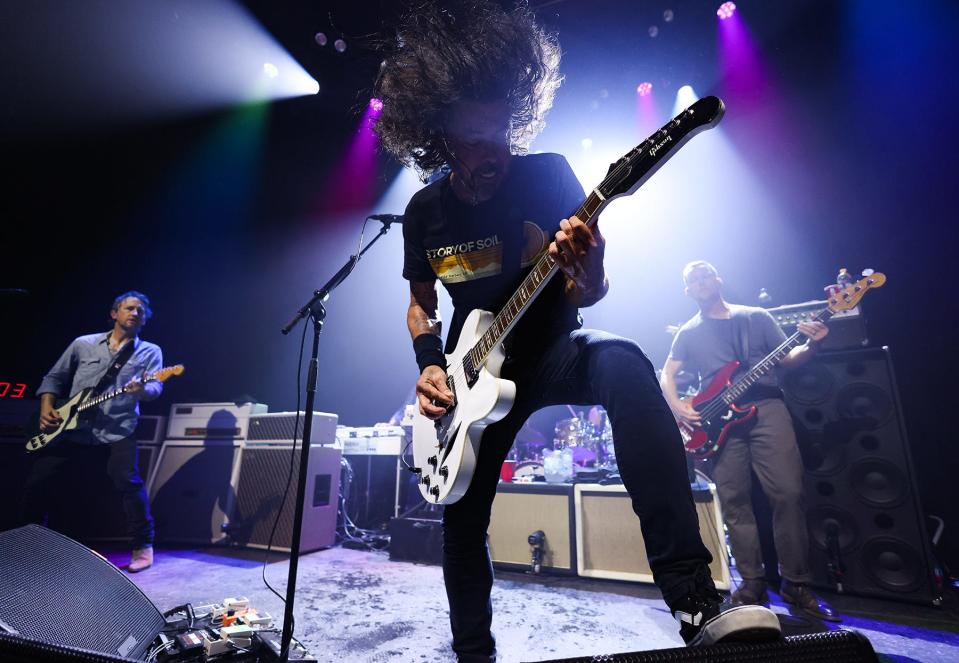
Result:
106,64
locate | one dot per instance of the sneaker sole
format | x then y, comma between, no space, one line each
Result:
744,623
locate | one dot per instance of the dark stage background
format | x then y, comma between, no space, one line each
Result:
840,151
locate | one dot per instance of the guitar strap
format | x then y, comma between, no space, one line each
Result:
741,337
119,360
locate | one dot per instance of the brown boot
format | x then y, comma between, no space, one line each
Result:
141,559
751,592
802,598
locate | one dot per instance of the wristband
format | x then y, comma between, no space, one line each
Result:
429,351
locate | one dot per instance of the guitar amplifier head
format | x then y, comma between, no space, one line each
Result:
211,421
847,329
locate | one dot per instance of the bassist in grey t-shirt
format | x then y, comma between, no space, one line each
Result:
717,335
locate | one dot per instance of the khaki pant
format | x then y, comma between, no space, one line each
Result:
767,445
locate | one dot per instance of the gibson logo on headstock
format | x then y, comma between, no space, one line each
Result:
657,148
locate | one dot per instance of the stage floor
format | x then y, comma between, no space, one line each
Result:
358,606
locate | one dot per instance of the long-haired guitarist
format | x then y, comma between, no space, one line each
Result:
109,430
718,334
465,88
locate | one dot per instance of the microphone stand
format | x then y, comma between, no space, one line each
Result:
313,308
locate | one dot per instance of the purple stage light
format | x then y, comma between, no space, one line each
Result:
726,10
376,104
644,88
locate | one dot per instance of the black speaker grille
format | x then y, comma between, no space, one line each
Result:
835,646
893,564
55,590
14,649
275,428
859,480
263,478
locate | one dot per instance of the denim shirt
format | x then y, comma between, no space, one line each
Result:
82,365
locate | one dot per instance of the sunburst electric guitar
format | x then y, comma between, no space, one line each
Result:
72,410
717,404
445,451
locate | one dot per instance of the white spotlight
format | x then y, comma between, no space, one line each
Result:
270,70
685,97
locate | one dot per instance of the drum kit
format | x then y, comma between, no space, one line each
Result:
584,439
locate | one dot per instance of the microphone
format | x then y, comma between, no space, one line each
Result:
387,218
536,542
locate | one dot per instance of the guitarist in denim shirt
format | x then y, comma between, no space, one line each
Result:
767,445
85,361
465,89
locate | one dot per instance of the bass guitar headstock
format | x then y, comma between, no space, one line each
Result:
849,296
164,374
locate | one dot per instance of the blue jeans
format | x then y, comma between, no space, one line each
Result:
582,368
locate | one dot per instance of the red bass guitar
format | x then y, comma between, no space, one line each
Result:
717,403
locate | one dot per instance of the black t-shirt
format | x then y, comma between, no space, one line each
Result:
481,253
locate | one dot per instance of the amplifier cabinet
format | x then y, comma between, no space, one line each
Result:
523,508
609,540
193,488
264,471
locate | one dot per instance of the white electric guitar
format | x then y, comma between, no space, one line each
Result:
445,451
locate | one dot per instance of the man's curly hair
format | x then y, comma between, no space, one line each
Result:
470,50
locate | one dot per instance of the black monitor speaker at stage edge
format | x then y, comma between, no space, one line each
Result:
833,646
54,590
866,525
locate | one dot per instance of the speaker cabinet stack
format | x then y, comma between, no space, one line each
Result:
228,487
864,515
609,539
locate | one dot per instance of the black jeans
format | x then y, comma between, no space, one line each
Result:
586,367
121,466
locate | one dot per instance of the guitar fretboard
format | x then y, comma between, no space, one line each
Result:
769,362
529,289
93,402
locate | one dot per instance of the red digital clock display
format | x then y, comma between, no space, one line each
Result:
12,389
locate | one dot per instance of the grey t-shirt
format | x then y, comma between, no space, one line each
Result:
705,345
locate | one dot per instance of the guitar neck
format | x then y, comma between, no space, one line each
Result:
530,288
769,362
102,398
